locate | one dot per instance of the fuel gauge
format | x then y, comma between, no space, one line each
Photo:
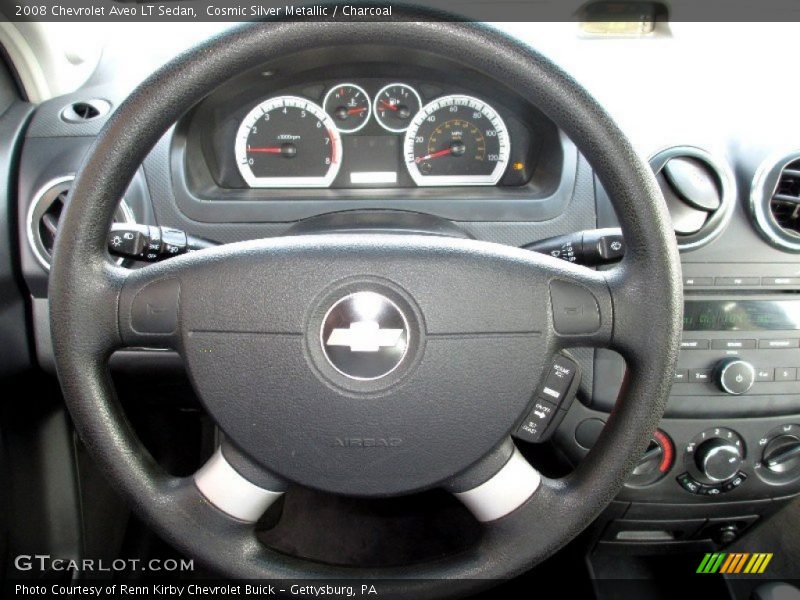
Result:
349,106
395,105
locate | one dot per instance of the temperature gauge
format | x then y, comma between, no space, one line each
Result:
395,105
349,106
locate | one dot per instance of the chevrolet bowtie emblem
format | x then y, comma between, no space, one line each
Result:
364,336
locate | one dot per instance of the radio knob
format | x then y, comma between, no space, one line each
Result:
718,459
735,376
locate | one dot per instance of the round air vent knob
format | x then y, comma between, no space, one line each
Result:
693,181
699,190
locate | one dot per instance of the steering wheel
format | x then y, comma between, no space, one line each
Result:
365,364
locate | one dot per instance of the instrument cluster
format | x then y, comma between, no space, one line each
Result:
378,133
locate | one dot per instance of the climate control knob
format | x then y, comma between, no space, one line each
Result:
735,376
718,459
780,455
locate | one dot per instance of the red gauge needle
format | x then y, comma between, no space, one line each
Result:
355,111
444,152
265,150
389,105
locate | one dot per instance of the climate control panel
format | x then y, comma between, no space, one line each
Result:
713,462
688,462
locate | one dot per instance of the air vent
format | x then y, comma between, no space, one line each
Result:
700,193
44,215
775,201
85,110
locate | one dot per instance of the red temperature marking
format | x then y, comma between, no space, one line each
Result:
666,444
333,147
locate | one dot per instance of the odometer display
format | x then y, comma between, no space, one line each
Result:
288,142
456,140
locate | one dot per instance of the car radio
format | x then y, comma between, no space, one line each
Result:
740,355
739,345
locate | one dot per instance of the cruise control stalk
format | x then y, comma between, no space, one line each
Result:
151,243
591,247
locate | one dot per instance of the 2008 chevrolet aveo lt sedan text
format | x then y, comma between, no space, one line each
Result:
401,306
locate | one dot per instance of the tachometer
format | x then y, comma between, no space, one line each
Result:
457,140
288,141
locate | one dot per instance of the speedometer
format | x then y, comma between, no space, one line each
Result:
457,140
288,141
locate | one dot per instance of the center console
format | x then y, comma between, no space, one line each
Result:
727,452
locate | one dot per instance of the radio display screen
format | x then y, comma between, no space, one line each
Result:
741,315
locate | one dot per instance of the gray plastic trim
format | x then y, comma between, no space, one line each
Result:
225,488
763,187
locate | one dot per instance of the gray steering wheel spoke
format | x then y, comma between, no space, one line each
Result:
239,491
497,485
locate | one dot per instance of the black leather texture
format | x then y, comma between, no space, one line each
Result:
645,287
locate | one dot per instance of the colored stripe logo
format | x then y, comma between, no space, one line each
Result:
734,562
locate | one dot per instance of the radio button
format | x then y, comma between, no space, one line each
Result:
785,374
780,281
698,281
736,281
694,344
765,374
733,344
699,375
778,344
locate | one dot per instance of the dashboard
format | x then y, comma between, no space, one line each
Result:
292,141
362,131
358,126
